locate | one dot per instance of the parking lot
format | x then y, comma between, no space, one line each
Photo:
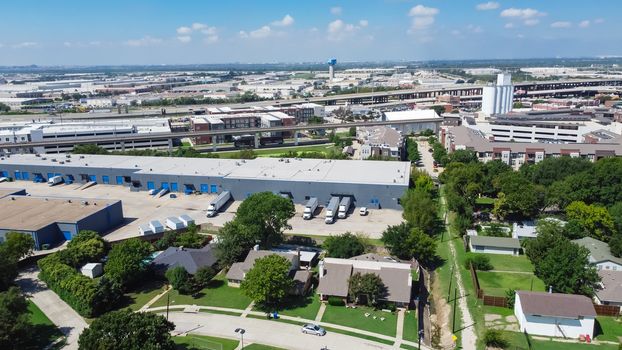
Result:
139,208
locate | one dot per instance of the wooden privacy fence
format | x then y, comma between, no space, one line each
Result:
487,299
607,310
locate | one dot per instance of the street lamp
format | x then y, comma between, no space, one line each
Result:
241,331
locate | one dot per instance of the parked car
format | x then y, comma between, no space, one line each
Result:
313,329
363,211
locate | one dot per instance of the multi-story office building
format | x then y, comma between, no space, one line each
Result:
380,141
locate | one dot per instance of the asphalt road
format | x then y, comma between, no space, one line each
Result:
283,335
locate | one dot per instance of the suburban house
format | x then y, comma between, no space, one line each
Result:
554,314
302,278
600,254
308,256
527,229
335,274
610,291
189,258
494,245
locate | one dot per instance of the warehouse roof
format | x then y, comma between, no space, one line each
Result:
413,114
27,213
316,170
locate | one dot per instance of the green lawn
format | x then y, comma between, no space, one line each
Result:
273,152
45,332
358,335
519,341
355,318
304,307
261,347
503,311
497,283
140,296
410,326
217,293
510,263
203,342
485,201
610,328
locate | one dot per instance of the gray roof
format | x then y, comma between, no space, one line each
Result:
395,282
239,269
381,135
188,258
599,250
315,170
335,280
497,242
556,304
612,286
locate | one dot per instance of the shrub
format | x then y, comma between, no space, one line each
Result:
203,276
494,338
336,301
479,261
177,277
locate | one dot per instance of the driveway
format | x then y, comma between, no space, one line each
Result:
62,315
283,335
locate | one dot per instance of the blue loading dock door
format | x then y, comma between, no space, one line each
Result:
174,187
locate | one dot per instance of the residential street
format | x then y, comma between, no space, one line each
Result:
284,335
63,316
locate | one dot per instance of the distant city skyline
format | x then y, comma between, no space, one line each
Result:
194,32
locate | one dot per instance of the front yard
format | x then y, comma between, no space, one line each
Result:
410,326
45,332
497,283
303,307
217,293
355,318
203,342
141,296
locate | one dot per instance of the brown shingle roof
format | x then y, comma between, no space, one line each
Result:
238,270
612,286
556,304
335,280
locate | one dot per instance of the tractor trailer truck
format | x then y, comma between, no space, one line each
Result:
331,210
344,207
218,203
310,209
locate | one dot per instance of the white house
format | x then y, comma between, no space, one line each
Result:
92,270
554,314
494,245
600,254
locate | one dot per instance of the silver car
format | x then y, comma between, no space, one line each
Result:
313,329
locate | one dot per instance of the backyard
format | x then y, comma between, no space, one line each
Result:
503,262
519,341
497,283
608,328
410,326
217,293
356,318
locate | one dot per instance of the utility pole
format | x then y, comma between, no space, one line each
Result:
450,280
168,298
453,324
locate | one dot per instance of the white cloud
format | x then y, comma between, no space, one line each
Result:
144,41
184,38
25,44
338,30
363,23
508,25
422,11
599,21
210,39
199,26
285,22
336,10
423,18
561,24
584,24
490,5
184,30
260,33
531,22
523,14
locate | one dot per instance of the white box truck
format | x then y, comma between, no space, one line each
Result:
344,207
218,203
331,210
310,208
55,180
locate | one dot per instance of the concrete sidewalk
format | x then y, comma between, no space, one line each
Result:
62,315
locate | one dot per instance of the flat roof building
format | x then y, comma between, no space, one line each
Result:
52,220
371,184
422,119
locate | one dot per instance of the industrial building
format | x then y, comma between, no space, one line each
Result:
422,119
371,184
498,99
51,221
48,131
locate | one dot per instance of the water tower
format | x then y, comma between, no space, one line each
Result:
331,68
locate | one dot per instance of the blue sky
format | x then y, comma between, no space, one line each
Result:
67,32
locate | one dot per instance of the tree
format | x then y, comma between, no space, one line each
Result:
15,327
268,282
234,241
179,279
15,246
265,215
4,108
438,109
84,247
395,240
494,338
615,245
616,215
203,276
352,132
344,246
463,156
550,234
168,240
128,330
420,210
368,286
522,199
594,219
422,247
191,238
567,269
125,262
89,149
